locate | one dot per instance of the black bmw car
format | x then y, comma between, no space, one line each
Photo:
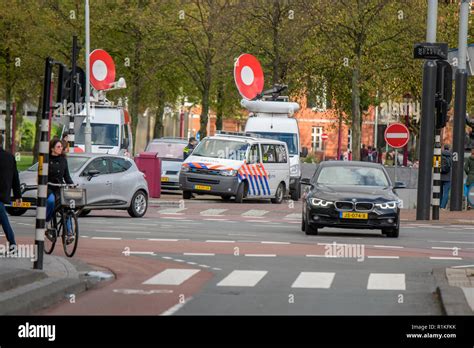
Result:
351,194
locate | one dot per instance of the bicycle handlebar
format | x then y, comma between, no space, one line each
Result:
63,185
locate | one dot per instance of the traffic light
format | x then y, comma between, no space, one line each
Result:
444,92
64,85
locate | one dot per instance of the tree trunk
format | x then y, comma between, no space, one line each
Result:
276,43
205,99
220,105
160,109
356,117
136,86
8,100
37,130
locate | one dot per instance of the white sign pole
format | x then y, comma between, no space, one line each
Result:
88,130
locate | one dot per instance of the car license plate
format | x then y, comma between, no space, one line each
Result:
202,187
22,205
351,215
165,179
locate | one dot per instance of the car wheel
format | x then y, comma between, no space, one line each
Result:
15,211
392,232
139,204
85,212
239,197
187,195
309,229
303,222
226,198
280,193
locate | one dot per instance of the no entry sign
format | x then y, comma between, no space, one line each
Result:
102,70
248,76
397,135
324,136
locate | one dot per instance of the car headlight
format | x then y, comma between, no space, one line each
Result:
184,168
294,169
316,202
389,205
229,172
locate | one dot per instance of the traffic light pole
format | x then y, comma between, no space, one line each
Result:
43,161
436,175
88,130
73,93
459,123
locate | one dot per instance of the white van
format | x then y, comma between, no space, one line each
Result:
111,131
272,120
237,165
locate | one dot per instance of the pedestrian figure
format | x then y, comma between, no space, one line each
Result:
446,165
364,153
188,150
469,170
9,180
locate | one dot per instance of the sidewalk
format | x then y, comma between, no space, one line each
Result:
465,217
24,290
455,287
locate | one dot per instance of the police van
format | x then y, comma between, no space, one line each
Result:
239,165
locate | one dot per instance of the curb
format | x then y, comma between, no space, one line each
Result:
452,298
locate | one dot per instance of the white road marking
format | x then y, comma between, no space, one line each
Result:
213,212
176,307
450,241
254,213
107,238
265,242
382,257
173,211
446,248
242,278
220,241
171,276
191,263
199,254
386,281
167,258
261,255
293,216
444,258
162,240
314,280
313,255
242,234
388,246
214,219
464,266
205,266
140,252
259,221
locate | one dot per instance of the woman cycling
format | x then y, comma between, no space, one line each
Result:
58,173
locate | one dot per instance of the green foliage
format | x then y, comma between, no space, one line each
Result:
27,133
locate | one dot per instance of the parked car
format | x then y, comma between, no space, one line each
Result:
351,195
111,182
170,150
237,165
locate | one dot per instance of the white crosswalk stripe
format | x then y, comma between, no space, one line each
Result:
314,280
176,211
386,281
293,216
213,212
242,278
171,276
255,213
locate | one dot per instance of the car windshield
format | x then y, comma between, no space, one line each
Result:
222,148
352,176
74,163
102,134
290,139
167,150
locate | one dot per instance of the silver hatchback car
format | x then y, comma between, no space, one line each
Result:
111,182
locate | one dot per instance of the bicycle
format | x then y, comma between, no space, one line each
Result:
64,222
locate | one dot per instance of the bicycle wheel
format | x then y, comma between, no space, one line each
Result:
50,240
71,230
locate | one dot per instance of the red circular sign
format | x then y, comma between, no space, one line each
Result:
324,136
102,70
397,135
248,76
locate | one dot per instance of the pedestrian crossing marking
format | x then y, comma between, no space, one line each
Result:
314,280
386,281
171,211
255,213
242,278
171,276
293,216
212,212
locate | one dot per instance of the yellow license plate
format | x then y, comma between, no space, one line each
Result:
202,187
165,179
22,205
351,215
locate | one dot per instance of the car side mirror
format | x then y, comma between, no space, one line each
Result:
92,173
305,181
304,152
399,185
125,143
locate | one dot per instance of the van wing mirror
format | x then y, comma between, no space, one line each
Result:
305,181
399,185
304,152
92,173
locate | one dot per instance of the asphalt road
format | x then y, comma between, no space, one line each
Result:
207,257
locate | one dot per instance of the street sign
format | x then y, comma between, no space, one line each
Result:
397,135
102,70
248,76
428,50
324,136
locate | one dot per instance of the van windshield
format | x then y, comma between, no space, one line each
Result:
102,134
167,150
226,149
291,139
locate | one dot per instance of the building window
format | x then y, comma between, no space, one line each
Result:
316,138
